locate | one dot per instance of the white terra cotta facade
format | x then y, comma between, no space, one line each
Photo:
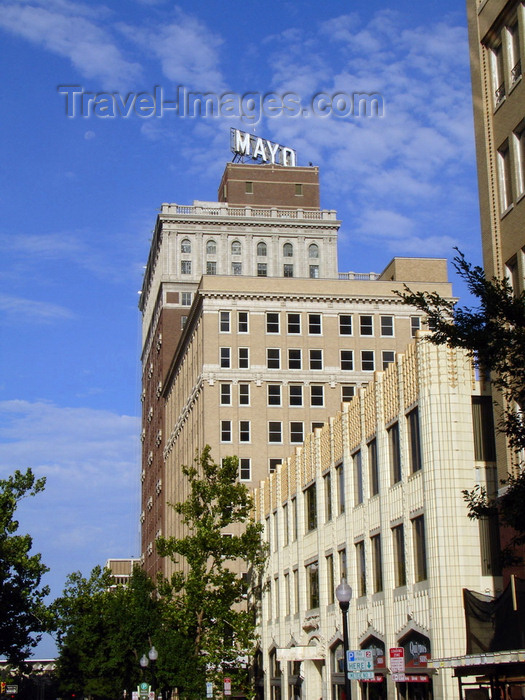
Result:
389,514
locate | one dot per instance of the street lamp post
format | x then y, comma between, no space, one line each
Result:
153,655
343,593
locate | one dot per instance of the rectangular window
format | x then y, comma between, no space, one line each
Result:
211,267
316,395
343,568
388,358
272,322
347,393
514,53
183,320
225,358
373,468
327,481
387,326
483,428
358,477
248,187
340,473
185,267
294,520
242,322
294,358
288,270
226,394
294,323
316,359
226,431
367,360
505,176
366,325
276,531
519,150
498,74
420,548
400,575
394,449
185,298
314,324
314,272
330,579
244,358
345,325
295,394
273,464
310,500
296,590
245,469
296,431
275,431
224,325
262,270
315,425
312,581
414,441
273,358
415,325
277,600
299,189
286,525
347,360
244,394
287,594
360,567
274,394
375,543
244,431
236,268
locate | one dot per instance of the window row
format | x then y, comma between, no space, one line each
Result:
236,269
275,431
295,394
375,558
511,167
236,248
505,59
295,323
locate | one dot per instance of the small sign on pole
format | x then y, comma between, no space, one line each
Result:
209,689
397,660
227,686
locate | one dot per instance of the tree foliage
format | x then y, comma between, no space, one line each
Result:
23,615
207,592
494,335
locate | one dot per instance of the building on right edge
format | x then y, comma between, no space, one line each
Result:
375,497
497,54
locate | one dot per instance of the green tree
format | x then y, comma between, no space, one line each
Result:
494,335
23,615
207,594
102,631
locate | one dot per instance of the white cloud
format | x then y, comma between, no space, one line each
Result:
74,31
187,50
32,310
89,509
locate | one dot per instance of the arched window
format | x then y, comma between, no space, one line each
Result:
288,250
236,248
262,249
185,246
211,247
313,251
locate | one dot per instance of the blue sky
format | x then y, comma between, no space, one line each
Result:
79,196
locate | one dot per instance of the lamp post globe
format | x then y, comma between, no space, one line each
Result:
343,593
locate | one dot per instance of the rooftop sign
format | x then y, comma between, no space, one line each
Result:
261,150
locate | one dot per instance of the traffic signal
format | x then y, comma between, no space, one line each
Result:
2,686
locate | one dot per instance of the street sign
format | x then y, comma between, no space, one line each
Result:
361,675
397,660
209,689
11,689
227,686
359,661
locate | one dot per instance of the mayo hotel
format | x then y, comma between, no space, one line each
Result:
251,337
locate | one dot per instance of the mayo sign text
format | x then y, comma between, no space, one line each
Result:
261,150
